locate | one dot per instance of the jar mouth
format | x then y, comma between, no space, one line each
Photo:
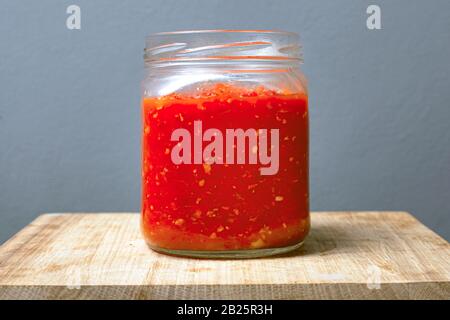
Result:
223,45
224,31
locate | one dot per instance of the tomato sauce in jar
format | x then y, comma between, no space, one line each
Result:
225,170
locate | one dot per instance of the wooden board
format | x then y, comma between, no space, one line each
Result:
349,255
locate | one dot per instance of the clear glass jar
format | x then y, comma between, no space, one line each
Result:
225,144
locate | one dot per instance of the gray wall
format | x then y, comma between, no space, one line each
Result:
70,118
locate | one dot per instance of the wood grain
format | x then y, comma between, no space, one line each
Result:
102,256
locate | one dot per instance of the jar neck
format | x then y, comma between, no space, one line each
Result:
229,49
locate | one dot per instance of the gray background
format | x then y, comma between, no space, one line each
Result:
70,115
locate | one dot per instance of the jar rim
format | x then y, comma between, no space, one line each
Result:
194,31
223,45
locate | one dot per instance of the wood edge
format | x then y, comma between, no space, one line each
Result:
316,291
423,225
25,230
405,214
86,214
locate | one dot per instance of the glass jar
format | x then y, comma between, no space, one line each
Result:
225,144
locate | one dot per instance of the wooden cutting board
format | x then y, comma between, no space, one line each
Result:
349,255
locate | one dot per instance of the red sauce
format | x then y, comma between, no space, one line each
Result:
225,206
